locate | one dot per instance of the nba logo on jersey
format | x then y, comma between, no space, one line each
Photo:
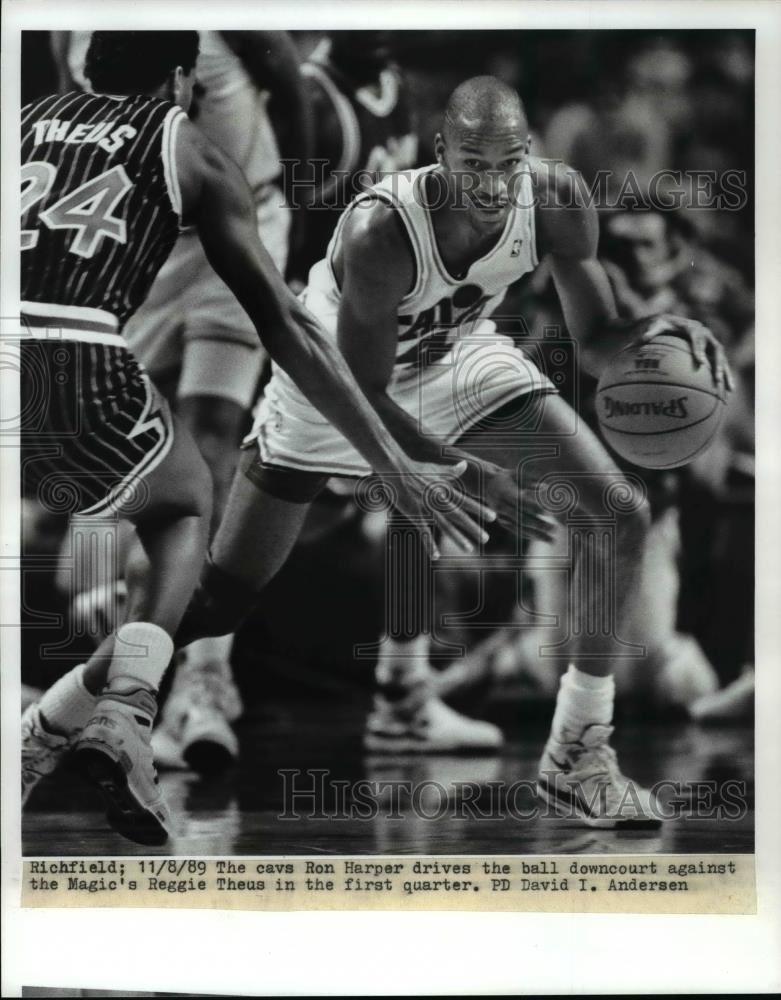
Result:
516,250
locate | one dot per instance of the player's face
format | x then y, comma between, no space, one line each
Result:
483,169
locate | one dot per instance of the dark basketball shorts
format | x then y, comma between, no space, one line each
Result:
92,426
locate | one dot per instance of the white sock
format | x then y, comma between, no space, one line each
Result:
582,700
403,663
67,705
211,651
142,652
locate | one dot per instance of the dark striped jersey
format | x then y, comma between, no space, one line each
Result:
100,199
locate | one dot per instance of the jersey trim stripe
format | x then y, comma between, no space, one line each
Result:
54,312
171,125
75,333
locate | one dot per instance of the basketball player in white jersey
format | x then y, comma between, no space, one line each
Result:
196,340
364,131
412,273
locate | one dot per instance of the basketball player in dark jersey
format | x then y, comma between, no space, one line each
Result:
362,124
107,179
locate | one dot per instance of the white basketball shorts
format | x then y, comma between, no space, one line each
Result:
482,371
192,323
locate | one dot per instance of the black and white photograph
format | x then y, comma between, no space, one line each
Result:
383,442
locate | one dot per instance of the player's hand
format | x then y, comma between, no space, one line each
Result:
498,488
432,495
705,347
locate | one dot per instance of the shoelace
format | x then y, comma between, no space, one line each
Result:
599,760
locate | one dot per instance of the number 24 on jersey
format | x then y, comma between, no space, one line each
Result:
88,210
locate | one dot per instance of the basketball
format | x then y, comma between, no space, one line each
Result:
655,407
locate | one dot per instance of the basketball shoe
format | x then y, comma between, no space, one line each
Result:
195,729
580,778
42,751
113,751
432,727
733,703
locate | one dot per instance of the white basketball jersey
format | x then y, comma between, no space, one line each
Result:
440,307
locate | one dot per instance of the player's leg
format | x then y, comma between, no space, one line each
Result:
264,516
126,457
607,519
407,715
114,747
220,369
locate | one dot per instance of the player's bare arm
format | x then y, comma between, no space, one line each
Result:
216,198
58,43
376,270
568,234
272,61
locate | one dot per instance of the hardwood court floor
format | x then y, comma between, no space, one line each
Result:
424,805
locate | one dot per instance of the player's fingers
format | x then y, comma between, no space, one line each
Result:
659,324
699,341
452,471
537,527
447,502
466,525
722,376
448,529
729,378
478,508
429,542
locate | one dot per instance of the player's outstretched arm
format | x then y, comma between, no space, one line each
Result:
377,269
216,198
568,232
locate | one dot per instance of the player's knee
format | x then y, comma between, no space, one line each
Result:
214,422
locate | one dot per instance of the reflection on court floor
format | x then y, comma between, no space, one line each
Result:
305,786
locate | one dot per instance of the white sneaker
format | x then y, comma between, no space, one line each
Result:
167,749
733,703
42,751
434,728
114,752
580,779
685,675
195,730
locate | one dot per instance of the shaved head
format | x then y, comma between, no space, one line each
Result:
484,106
483,149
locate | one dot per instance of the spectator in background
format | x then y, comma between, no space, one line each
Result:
656,263
629,124
362,126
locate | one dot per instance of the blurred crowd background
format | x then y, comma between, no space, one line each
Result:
617,101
